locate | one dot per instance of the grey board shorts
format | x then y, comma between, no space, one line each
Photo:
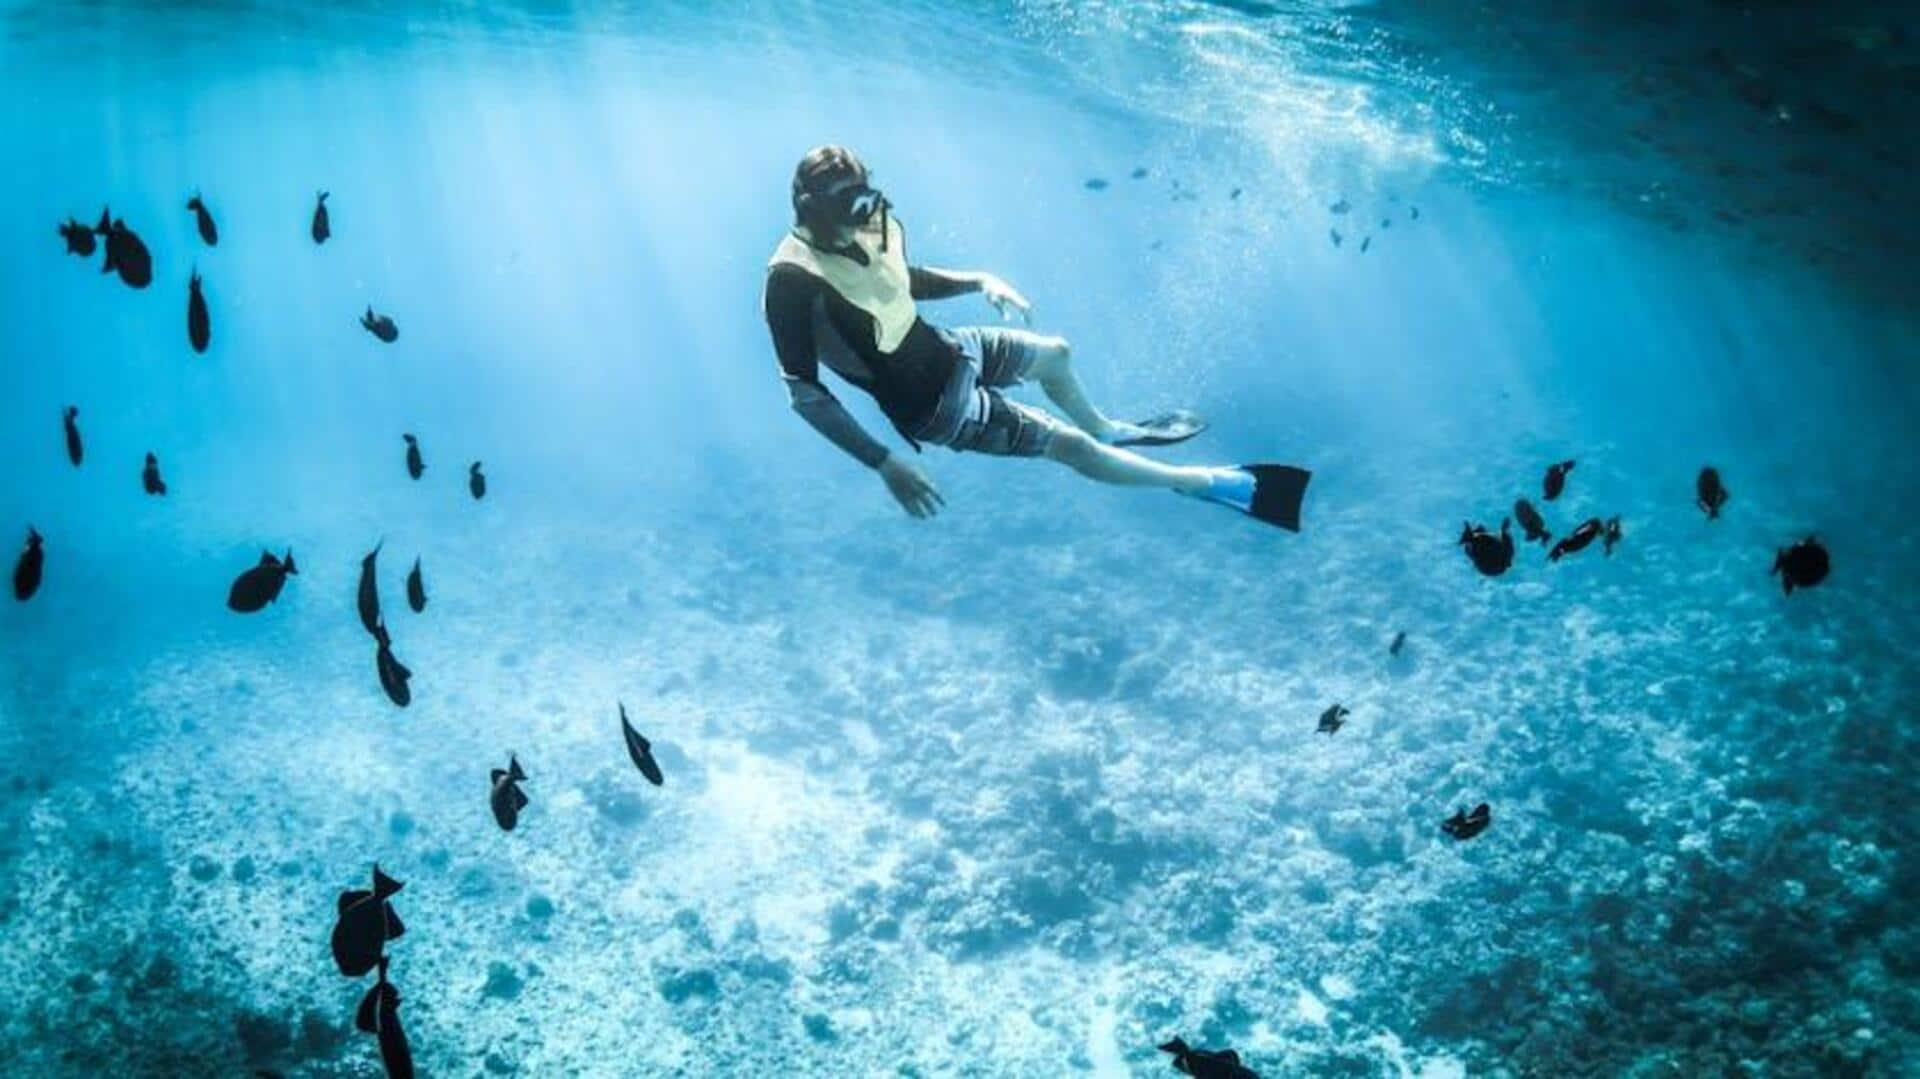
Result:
973,416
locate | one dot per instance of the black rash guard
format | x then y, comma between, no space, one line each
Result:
907,382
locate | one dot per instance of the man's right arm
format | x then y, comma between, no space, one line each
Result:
790,295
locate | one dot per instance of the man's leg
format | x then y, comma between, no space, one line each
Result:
1053,369
1095,460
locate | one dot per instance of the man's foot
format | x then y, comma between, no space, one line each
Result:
1269,493
1162,430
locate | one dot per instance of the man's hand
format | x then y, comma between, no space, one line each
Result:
910,486
1003,296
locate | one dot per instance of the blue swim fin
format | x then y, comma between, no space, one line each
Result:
1269,493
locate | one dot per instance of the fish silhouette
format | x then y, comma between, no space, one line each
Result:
415,465
1709,493
79,238
365,923
640,750
127,254
1802,565
150,479
1490,554
1206,1063
1399,642
199,328
507,798
203,220
70,419
261,585
1463,825
395,678
29,569
322,222
368,596
379,1015
1555,480
1332,720
416,589
1579,539
476,482
1531,522
380,326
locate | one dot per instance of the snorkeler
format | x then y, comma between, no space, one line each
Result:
839,289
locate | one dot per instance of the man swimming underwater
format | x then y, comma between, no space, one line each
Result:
839,289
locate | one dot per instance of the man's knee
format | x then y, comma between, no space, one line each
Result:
1073,447
1052,357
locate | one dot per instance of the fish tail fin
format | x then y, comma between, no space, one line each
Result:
288,563
513,769
383,885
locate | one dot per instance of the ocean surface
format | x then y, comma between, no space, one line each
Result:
1033,787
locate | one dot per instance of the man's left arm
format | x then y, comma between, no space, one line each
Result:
932,283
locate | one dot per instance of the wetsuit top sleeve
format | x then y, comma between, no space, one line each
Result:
927,283
789,300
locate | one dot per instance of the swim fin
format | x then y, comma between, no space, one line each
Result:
1270,493
1163,430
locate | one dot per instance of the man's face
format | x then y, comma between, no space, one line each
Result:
851,201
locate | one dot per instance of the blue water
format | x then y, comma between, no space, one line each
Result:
1032,787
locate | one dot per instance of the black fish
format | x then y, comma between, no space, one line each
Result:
1206,1063
199,328
1556,480
1709,493
1530,520
1139,173
203,221
1490,554
379,1015
322,224
415,465
79,238
70,419
476,482
1802,565
1332,720
27,571
1464,825
416,589
641,751
261,585
1365,242
507,797
150,477
394,675
1611,536
1096,184
368,598
1340,207
380,326
126,253
1399,642
1577,540
1234,194
366,923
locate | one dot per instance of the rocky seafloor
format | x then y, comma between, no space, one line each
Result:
1022,793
